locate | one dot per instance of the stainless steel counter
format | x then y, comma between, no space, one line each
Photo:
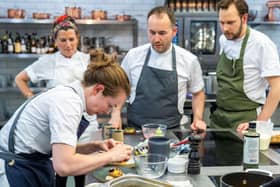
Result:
203,180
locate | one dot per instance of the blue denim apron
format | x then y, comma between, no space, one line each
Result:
156,99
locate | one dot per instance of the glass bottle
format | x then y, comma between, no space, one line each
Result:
17,43
251,147
10,44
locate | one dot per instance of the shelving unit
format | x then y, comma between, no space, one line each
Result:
11,64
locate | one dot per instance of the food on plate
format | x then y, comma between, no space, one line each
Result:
115,172
275,139
141,148
129,130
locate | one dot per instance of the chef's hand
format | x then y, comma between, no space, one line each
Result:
106,145
198,125
242,127
120,152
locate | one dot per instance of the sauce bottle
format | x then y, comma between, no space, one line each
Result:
251,147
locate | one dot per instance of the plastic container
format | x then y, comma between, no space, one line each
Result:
154,129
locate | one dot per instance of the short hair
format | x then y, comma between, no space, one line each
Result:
163,10
241,6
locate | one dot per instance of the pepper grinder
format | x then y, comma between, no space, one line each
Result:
194,158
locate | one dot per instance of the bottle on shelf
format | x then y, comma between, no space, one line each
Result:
17,43
251,147
10,43
33,43
51,47
23,45
4,42
28,43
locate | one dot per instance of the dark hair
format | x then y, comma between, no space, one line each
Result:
103,69
241,6
64,23
163,10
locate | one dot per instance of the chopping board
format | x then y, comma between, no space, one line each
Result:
101,173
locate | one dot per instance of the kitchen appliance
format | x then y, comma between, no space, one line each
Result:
199,33
216,152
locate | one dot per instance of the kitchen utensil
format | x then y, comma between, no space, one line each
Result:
211,84
16,13
99,14
117,134
123,17
40,15
95,184
151,165
75,12
154,129
264,128
177,164
184,141
136,181
253,178
159,145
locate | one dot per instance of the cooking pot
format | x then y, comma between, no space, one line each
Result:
74,12
16,13
257,178
123,17
40,15
210,82
99,14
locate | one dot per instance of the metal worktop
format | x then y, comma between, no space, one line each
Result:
202,179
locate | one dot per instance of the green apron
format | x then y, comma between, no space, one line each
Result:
233,105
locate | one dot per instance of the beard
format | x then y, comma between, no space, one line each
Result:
234,36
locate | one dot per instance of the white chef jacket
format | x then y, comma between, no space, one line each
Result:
56,69
52,117
261,60
188,69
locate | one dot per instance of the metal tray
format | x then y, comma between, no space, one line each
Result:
136,181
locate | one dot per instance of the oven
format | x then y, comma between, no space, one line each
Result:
199,33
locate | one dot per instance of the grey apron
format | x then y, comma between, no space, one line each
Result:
233,105
156,99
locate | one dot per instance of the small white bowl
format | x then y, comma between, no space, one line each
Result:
177,165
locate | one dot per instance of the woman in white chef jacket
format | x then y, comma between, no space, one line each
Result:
49,124
62,67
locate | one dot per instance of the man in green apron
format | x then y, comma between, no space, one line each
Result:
249,63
